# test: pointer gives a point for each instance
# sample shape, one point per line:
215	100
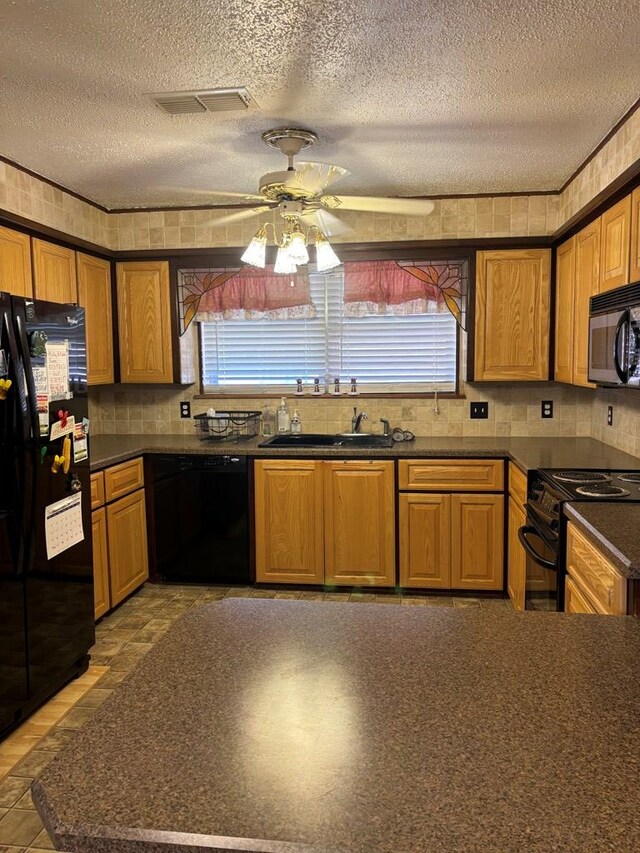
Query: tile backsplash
513	411
625	430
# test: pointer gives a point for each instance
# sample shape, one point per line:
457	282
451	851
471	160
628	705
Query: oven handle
522	536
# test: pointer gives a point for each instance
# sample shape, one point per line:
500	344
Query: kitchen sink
311	439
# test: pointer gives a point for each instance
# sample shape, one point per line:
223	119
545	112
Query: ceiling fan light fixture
255	253
297	247
326	258
284	265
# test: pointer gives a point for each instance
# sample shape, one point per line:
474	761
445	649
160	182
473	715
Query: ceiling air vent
206	101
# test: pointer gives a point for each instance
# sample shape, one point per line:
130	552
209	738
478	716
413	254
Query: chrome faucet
357	419
386	426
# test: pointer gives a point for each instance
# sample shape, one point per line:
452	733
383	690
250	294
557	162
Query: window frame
415	250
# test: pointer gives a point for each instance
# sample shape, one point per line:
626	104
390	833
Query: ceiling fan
299	194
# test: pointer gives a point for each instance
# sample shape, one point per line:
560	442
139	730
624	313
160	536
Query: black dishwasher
198	519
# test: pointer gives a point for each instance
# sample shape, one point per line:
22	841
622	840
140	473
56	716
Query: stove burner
602	490
631	477
581	477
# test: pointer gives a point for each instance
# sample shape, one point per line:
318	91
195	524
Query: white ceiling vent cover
208	100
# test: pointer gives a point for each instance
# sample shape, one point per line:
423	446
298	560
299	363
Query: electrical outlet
185	409
478	411
609	415
546	409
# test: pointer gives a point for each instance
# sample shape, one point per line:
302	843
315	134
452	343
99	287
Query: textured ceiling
413	97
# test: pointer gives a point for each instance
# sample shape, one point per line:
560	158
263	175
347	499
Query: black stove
544	535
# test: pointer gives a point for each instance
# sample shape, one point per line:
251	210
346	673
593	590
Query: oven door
542	580
609	348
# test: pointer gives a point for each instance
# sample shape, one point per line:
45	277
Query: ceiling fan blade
225	194
379	204
239	215
326	222
315	177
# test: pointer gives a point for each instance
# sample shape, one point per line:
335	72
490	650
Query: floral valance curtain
246	293
405	287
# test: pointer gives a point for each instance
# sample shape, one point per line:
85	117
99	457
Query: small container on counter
268	421
296	423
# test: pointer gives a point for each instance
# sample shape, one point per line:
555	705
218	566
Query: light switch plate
185	409
609	415
546	409
478	411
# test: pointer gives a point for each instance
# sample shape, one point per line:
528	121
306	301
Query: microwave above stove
614	337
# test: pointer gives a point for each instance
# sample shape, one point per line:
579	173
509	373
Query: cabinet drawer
517	484
97	490
121	479
449	475
575	601
605	586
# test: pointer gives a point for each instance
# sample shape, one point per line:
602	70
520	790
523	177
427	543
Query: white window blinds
386	353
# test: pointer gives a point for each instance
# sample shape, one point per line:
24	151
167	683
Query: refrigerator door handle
28	377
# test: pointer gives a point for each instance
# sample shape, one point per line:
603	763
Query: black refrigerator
46	574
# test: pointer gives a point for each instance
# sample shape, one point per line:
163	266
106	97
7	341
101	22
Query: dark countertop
273	726
613	527
525	452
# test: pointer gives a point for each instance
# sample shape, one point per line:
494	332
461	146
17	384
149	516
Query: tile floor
122	639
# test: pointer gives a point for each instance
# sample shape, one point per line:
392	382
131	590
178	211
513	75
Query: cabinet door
634	261
94	294
517	558
425	541
101	598
128	559
565	302
512	315
15	262
575	601
616	239
289	521
54	272
587	276
144	320
359	523
477	541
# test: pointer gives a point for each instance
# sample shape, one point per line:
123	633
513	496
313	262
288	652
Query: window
386	353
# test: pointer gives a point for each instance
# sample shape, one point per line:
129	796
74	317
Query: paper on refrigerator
63	524
57	361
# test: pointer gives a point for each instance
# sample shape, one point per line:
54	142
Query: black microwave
614	337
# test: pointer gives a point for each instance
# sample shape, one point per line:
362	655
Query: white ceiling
413	97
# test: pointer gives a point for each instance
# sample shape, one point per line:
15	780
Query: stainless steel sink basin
311	439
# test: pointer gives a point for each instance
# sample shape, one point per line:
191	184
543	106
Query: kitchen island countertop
300	727
613	527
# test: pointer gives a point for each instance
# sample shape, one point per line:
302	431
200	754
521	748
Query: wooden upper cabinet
359	499
512	315
477	542
54	272
634	260
144	320
586	286
289	521
565	306
94	295
15	262
425	541
616	239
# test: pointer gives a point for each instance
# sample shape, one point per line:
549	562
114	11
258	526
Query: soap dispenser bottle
284	418
296	423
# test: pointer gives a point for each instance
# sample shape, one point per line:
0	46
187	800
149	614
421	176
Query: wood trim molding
53	184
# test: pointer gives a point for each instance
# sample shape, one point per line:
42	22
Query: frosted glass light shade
284	262
255	253
298	248
326	258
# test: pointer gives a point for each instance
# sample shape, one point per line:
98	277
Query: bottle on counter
283	417
296	423
268	421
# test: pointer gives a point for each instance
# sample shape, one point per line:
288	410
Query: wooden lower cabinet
516	556
575	601
289	521
425	541
127	532
359	511
452	541
101	596
477	542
